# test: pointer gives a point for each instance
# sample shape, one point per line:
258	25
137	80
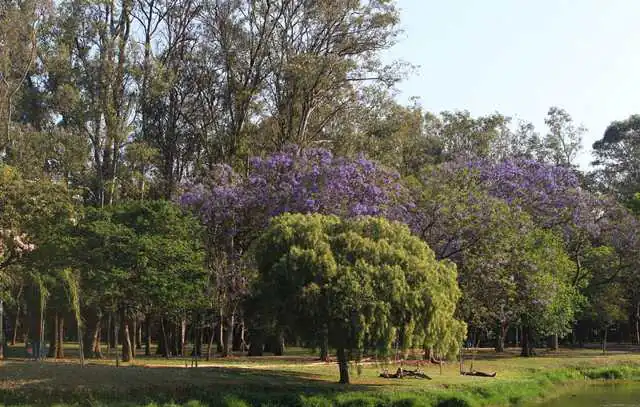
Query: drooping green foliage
363	280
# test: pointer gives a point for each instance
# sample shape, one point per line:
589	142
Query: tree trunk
115	337
212	336
324	344
53	348
343	365
220	342
638	323
147	339
60	347
554	342
14	337
237	337
111	333
91	335
95	343
527	342
127	350
16	325
174	338
134	335
163	348
2	330
278	348
228	337
604	340
139	335
503	328
243	338
197	346
183	337
80	338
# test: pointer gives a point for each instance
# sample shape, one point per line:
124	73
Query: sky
520	57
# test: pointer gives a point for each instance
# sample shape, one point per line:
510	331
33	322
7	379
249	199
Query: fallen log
480	374
401	373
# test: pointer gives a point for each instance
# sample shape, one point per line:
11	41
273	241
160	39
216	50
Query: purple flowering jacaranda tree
237	208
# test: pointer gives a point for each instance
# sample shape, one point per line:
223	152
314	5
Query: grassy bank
299	380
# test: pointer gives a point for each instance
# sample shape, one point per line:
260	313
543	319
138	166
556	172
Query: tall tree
617	158
91	78
239	36
174	86
563	142
322	52
19	23
462	135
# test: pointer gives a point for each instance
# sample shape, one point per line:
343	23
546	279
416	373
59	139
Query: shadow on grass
49	383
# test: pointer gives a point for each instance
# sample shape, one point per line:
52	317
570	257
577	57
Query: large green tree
135	258
617	158
363	281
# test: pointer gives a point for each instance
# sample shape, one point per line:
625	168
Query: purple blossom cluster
550	193
294	180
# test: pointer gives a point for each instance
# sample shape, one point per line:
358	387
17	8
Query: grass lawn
299	379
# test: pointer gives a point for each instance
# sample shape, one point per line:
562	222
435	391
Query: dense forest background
146	144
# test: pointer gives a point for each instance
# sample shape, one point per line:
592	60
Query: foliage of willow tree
363	281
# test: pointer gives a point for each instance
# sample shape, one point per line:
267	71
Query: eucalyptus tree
174	87
617	158
322	53
19	25
563	141
91	80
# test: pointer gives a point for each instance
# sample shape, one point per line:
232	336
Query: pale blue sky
520	57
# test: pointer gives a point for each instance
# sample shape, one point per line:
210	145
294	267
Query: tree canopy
362	280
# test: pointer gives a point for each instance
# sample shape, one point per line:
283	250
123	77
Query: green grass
300	380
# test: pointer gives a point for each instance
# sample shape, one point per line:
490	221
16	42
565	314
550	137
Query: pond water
601	395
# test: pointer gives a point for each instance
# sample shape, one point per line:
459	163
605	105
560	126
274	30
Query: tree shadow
30	382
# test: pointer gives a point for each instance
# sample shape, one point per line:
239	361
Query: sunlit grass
301	379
